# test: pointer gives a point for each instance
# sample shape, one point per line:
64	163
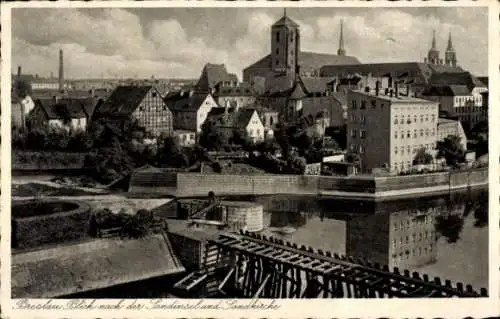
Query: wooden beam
261	287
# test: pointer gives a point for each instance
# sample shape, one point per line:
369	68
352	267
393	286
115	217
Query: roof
393	99
419	72
462	78
187	102
484	80
285	21
213	74
66	108
124	100
91	265
232	118
315	84
340	97
447	90
443	121
309	61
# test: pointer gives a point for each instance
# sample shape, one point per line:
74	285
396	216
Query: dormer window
277	37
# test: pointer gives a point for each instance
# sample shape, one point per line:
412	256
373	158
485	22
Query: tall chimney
396	92
61	71
19	72
377	87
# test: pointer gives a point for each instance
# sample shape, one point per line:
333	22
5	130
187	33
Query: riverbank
355	187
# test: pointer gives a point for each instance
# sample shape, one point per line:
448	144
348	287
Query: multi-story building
185	138
460	95
190	109
245	121
235	95
387	130
143	103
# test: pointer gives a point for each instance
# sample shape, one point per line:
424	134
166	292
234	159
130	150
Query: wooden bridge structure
247	265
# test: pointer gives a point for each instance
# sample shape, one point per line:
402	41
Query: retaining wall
198	184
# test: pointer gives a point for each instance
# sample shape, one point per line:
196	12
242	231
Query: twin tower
450	56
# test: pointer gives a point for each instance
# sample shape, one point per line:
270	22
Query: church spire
284	12
434	47
450	44
341	50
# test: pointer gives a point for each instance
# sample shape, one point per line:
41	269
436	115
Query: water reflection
439	234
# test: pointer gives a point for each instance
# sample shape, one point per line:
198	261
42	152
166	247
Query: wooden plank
262	286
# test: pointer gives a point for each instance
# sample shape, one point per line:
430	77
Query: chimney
19	72
377	87
61	71
397	89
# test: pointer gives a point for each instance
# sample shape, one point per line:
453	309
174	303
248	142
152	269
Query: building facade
234	95
67	114
386	131
185	138
447	127
190	109
142	103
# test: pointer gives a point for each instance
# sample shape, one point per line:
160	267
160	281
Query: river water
442	236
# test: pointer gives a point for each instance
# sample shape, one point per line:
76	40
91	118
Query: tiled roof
447	90
340	97
232	118
213	74
314	85
309	61
124	100
442	121
186	102
484	80
91	265
419	72
243	89
65	108
463	78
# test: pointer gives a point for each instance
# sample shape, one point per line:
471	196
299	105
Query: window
402	149
426	132
415	119
427	117
421	132
362	133
415	133
406	239
353	132
396	120
277	51
361	149
408	134
363	105
353	147
277	37
402	134
271	120
413	238
354	106
373	103
154	94
396	150
433	117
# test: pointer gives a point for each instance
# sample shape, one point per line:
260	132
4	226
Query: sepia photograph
249	152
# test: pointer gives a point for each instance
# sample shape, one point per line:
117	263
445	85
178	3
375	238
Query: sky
177	42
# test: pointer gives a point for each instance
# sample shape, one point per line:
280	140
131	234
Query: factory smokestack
61	71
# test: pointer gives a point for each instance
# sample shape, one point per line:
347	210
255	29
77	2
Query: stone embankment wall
197	184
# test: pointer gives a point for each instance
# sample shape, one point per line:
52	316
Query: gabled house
214	74
190	109
243	121
143	103
20	108
63	113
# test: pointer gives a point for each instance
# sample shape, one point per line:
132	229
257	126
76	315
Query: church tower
433	55
285	45
450	55
341	50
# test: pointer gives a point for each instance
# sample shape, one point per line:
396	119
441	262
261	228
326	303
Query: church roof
462	78
309	61
419	72
285	21
447	90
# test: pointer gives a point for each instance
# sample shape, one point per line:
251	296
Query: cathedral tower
450	55
341	50
433	55
285	45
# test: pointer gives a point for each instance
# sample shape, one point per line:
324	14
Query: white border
317	308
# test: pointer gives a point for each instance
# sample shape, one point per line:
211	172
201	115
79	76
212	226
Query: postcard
249	159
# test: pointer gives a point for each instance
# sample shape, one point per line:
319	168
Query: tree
480	138
211	137
422	157
170	153
22	88
304	143
452	150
